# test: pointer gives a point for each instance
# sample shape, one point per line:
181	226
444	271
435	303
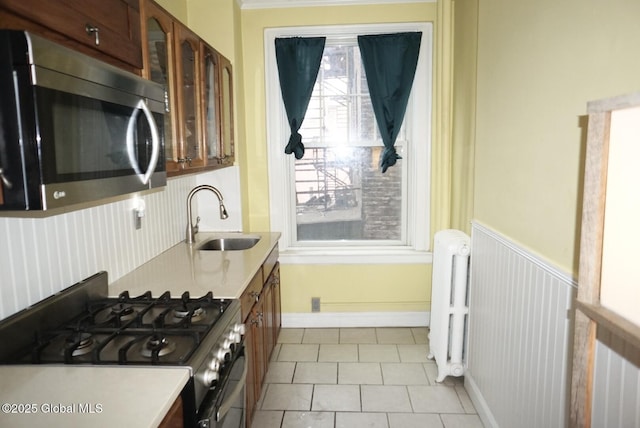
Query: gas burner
123	312
115	314
80	343
157	345
196	314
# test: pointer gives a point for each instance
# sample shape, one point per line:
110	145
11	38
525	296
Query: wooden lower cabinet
250	388
261	313
262	328
277	304
174	417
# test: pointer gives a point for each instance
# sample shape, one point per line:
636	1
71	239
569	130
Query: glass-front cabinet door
226	83
211	103
158	66
198	84
188	84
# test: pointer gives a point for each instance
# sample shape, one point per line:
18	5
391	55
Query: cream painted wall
177	8
464	105
539	63
341	288
344	288
213	20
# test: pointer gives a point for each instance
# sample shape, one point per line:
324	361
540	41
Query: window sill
332	255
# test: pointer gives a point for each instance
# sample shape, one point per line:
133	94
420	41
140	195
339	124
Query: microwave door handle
3	177
155	141
131	152
5	180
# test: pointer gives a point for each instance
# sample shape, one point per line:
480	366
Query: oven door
225	406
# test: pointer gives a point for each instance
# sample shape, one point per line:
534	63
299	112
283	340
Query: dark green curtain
298	64
390	62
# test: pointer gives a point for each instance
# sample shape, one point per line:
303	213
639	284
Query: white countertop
95	396
185	268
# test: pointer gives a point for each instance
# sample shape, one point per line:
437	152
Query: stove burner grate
92	328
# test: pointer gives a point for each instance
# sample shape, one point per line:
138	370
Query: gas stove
83	325
128	330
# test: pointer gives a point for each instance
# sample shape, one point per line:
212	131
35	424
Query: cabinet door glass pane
227	117
190	137
158	42
211	120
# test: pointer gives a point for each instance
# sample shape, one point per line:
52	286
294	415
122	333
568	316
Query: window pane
340	108
342	195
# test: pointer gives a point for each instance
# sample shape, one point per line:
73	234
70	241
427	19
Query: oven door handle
224	407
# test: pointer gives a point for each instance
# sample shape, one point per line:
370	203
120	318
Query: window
334	204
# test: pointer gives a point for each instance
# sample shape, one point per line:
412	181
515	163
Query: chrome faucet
193	229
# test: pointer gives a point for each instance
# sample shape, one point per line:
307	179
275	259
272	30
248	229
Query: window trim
281	183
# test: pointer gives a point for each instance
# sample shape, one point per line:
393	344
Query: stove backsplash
41	256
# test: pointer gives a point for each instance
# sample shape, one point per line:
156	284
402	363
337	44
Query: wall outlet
315	304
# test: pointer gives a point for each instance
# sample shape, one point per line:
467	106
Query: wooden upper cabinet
106	29
198	82
217	102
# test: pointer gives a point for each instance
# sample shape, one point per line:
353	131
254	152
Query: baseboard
355	319
484	412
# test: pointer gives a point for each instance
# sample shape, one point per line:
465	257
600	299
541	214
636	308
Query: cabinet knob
187	160
255	295
91	29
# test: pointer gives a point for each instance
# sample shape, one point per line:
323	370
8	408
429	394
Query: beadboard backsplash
41	256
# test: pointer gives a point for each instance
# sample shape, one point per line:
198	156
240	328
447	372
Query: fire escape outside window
339	190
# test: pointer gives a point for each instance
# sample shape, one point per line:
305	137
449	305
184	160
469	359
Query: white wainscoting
616	383
520	335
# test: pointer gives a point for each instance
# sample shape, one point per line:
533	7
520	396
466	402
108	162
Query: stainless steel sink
228	244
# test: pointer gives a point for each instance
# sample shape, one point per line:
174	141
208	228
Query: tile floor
359	377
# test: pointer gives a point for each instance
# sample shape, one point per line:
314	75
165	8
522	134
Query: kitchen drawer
270	263
66	21
251	294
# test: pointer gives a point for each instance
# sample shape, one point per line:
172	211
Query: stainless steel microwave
73	129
